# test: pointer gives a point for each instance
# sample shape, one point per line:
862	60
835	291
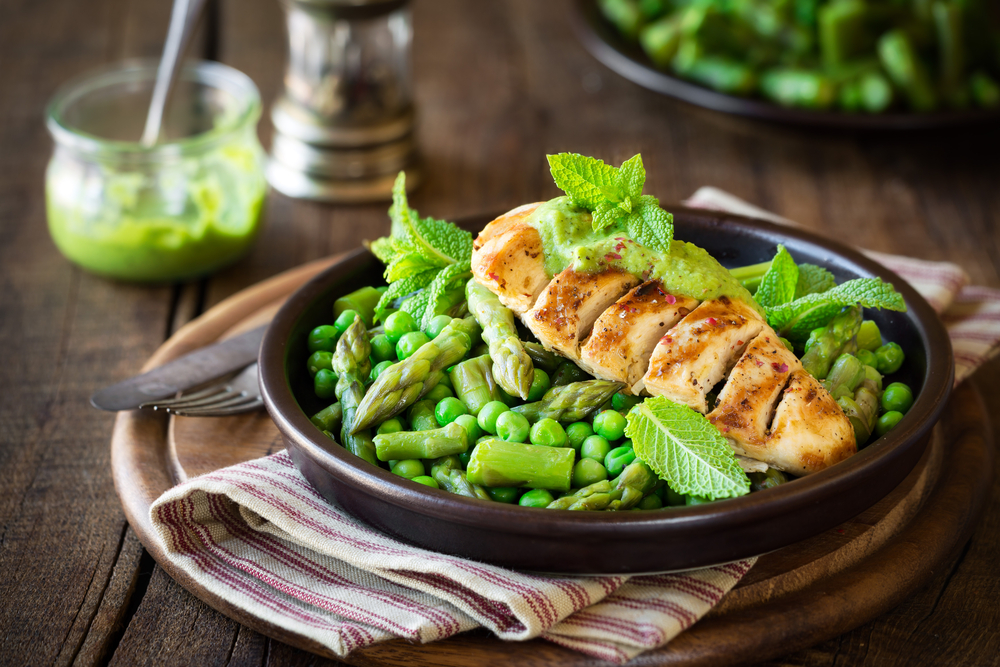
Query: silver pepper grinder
344	123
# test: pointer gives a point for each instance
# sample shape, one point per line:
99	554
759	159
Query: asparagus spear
512	367
401	384
571	402
903	65
622	493
831	342
450	439
473	382
329	418
542	358
447	470
352	364
421	416
500	463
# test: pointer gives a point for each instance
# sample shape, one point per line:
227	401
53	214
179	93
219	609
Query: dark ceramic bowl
606	44
609	542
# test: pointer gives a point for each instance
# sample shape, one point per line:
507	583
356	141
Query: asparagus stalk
447	471
622	493
501	463
329	418
571	402
400	385
828	344
361	301
450	439
542	358
474	384
847	373
512	366
594	496
352	365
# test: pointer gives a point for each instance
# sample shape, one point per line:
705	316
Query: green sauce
171	222
569	240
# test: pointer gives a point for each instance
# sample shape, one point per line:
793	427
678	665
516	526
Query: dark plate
608	542
627	59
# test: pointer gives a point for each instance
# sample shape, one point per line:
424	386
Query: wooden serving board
792	598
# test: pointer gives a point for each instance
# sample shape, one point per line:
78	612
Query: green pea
409	468
378	368
867	357
623	402
587	472
535	498
346	319
436	325
696	500
618	458
397	324
672	498
382	348
577	432
887	422
650	502
540	383
439	393
890	357
512	427
897	397
427	481
471	426
869	337
323	337
504	494
488	415
595	447
393	425
318	360
449	409
446	382
410	343
548	432
325	383
610	424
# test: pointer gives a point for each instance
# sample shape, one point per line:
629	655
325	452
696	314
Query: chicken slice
568	307
698	352
746	404
625	335
507	258
809	433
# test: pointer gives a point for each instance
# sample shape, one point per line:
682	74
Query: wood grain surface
498	84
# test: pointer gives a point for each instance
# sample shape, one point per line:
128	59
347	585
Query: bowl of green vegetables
443	472
836	63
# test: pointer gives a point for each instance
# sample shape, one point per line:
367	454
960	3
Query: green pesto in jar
569	240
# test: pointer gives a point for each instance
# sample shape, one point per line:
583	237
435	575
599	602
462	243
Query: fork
232	396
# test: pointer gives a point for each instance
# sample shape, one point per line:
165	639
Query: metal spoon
183	18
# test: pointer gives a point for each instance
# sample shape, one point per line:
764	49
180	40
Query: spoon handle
183	18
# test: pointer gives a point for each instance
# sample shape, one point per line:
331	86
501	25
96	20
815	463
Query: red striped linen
258	535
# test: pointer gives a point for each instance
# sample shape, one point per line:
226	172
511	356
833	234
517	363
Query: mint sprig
685	449
795	319
614	196
779	283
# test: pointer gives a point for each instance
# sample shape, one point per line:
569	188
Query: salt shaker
344	122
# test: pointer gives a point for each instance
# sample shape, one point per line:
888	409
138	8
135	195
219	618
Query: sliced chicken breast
570	304
747	402
809	433
625	335
507	258
697	353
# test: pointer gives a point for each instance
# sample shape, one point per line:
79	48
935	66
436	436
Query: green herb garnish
795	319
614	196
685	449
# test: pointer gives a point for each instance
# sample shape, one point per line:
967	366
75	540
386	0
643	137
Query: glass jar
177	210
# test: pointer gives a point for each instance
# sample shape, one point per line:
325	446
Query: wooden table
498	85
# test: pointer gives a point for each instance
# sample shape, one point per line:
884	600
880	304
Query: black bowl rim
604	43
819	487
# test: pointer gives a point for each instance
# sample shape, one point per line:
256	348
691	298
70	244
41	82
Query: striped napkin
258	535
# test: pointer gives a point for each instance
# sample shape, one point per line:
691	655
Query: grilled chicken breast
570	304
697	353
507	258
770	409
625	335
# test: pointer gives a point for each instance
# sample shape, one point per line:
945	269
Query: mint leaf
438	242
588	181
779	283
401	288
406	265
650	225
417	304
633	176
685	449
382	248
606	214
794	320
813	279
449	278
